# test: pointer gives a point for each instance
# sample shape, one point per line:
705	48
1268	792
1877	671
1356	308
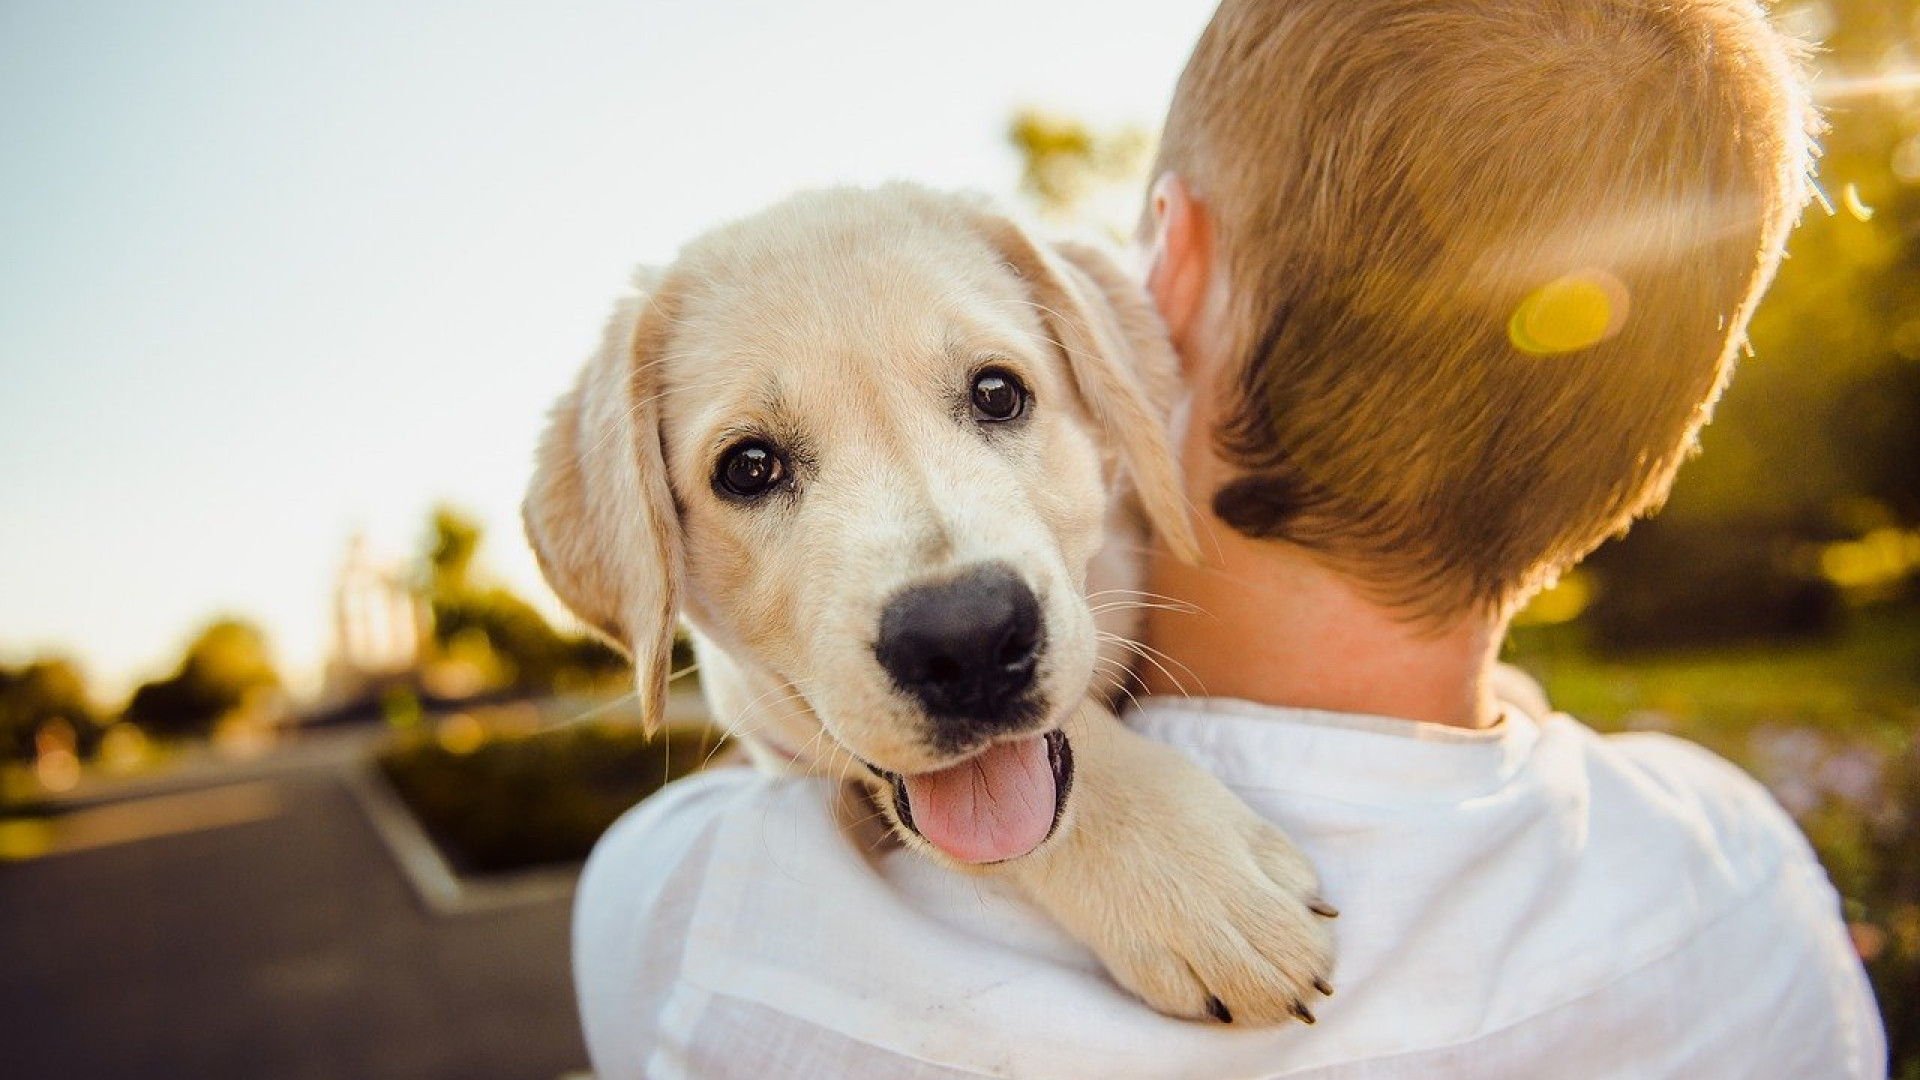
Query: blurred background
298	758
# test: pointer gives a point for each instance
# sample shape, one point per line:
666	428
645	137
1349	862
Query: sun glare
1828	91
1570	313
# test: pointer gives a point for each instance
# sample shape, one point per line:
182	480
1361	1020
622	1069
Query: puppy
892	461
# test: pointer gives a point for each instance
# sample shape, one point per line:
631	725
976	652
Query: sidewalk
242	920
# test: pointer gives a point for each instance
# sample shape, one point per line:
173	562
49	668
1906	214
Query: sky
272	275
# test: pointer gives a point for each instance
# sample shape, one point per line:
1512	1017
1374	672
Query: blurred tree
223	669
43	693
1841	327
495	630
1818	438
1077	175
451	545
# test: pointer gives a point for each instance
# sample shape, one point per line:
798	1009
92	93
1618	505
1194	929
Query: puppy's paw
1191	900
1233	930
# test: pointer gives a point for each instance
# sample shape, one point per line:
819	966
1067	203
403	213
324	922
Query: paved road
266	935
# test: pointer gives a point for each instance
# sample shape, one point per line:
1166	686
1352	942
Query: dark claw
1300	1011
1323	909
1321	985
1218	1009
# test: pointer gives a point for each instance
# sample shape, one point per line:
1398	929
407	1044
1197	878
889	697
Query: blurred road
259	930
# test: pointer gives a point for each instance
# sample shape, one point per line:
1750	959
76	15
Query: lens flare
1850	198
1568	314
1885	84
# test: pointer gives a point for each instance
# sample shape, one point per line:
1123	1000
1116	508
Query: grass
1863	683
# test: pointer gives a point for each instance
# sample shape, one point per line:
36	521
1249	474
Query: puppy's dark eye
998	396
750	470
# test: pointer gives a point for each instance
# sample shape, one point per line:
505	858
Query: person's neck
1269	624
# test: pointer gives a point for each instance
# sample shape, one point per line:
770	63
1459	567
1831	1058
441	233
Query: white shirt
1533	901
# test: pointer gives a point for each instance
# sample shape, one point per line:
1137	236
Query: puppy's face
887	486
866	442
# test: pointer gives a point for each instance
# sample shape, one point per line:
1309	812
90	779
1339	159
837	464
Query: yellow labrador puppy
893	461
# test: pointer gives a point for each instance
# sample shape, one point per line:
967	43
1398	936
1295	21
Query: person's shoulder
662	846
1697	788
1683	765
1726	897
671	821
1666	808
638	897
651	853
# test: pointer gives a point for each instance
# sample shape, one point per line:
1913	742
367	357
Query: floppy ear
598	511
1121	362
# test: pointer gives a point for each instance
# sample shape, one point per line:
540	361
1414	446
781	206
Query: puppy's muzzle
966	650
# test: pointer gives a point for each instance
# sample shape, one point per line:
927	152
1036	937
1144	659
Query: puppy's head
868	443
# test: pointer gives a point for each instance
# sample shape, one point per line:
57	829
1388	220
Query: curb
440	889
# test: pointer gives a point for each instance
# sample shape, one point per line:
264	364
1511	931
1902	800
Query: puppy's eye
998	396
750	470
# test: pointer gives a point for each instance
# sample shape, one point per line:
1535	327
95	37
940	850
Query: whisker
1150	595
781	694
713	751
632	411
593	712
1171	660
1119	683
1142	605
1146	653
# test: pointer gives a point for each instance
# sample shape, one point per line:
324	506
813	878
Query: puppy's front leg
1191	900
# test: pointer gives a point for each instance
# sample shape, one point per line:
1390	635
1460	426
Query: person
1454	286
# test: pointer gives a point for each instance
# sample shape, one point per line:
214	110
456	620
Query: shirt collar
1345	756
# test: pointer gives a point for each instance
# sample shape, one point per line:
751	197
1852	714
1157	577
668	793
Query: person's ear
1180	261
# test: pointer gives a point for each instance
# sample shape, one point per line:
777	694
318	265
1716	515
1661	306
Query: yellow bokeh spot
461	734
1568	314
1561	602
24	838
1883	557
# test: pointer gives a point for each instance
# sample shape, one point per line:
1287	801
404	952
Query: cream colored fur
847	325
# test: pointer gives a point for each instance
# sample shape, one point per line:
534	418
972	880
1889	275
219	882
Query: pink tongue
995	805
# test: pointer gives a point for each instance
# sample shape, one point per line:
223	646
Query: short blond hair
1400	189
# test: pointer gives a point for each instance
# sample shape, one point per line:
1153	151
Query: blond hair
1488	265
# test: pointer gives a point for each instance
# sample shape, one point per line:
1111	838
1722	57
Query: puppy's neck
1272	625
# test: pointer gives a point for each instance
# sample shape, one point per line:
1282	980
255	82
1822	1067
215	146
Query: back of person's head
1488	265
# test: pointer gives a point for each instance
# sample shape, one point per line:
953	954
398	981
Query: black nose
965	649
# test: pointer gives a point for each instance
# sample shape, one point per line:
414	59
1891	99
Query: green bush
44	693
228	661
498	801
1673	582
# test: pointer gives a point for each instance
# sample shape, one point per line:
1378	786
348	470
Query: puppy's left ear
1120	359
599	513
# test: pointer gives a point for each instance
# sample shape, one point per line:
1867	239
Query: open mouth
999	804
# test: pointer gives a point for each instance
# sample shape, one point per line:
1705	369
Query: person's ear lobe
1180	267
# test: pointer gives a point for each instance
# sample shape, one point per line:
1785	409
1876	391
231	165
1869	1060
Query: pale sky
271	273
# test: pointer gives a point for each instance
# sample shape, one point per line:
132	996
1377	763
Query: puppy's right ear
1116	349
599	513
